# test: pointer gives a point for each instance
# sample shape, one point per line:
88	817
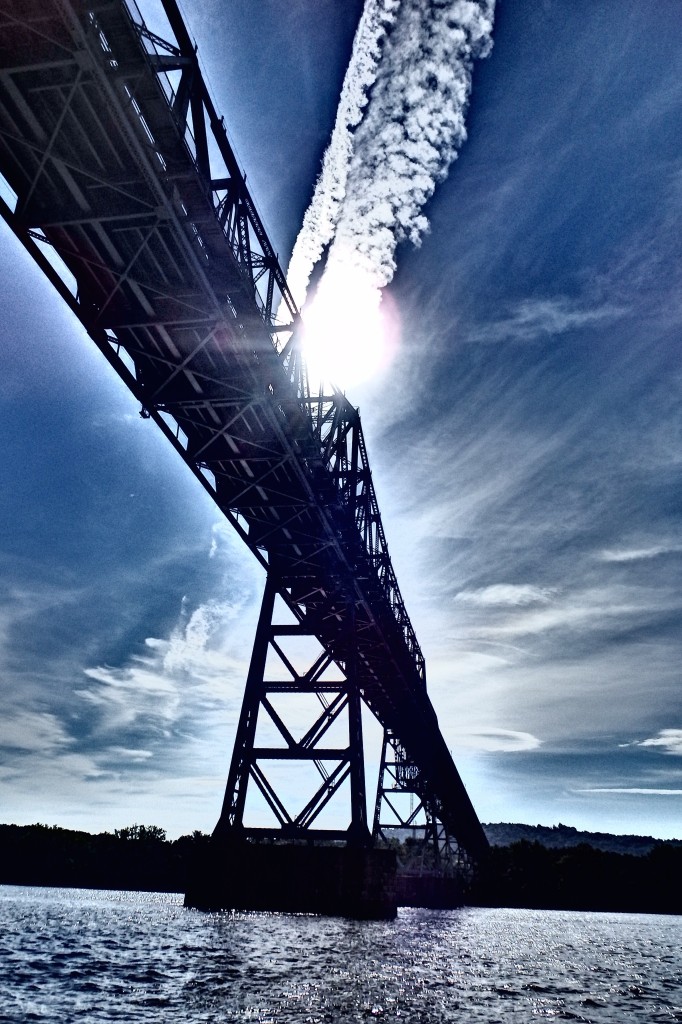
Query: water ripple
72	955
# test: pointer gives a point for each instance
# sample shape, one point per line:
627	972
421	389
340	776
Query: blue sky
525	445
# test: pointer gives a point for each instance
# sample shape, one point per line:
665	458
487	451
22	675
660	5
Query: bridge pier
347	881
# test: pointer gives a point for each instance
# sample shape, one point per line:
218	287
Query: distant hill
561	836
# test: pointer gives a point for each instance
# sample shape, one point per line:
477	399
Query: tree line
528	874
522	874
139	857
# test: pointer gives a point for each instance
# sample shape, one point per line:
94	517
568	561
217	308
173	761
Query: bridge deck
123	171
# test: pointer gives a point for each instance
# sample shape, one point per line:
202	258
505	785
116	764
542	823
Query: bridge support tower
331	694
433	869
291	863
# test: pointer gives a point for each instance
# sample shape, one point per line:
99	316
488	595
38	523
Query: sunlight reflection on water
69	954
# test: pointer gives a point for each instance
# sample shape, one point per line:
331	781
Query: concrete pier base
337	880
437	892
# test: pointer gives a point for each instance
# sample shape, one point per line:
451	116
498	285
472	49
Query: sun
349	328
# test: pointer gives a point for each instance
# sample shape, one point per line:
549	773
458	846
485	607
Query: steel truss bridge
131	200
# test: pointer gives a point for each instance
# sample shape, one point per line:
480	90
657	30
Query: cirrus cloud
639	554
506	594
499	740
633	790
669	740
537	318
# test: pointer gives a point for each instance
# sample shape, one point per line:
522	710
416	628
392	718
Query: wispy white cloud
584	610
181	678
634	790
32	731
669	740
532	319
99	736
513	594
200	636
128	754
497	740
321	217
639	554
222	539
412	130
391	147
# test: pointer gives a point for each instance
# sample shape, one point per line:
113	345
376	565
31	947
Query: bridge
126	191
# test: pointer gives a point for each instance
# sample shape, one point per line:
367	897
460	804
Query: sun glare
349	332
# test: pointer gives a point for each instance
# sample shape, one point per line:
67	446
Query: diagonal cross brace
337	764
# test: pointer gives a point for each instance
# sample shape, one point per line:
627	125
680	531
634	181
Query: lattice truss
405	814
325	734
123	186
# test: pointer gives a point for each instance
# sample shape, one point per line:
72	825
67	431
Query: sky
524	433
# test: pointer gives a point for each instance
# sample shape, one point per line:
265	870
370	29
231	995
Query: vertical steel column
359	830
231	819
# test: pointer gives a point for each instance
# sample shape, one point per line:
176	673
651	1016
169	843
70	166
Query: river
93	956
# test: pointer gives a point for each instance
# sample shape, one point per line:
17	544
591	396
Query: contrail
319	222
399	126
412	129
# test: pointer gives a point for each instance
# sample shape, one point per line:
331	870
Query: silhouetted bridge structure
131	200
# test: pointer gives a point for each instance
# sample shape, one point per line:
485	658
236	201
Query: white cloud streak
175	680
580	610
506	594
129	754
31	731
320	220
534	319
376	179
412	130
498	740
639	554
633	790
669	740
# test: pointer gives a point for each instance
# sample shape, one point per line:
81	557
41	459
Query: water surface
84	955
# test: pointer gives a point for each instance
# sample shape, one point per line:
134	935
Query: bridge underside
129	197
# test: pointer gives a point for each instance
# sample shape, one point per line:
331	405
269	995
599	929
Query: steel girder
130	198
